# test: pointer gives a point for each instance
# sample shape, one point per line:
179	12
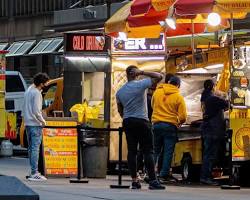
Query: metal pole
79	166
120	164
232	38
192	44
120	157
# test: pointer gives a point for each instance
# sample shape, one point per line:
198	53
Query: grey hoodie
32	107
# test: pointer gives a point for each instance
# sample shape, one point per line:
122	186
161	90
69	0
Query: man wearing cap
169	112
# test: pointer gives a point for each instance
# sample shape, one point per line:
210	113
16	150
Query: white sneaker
37	177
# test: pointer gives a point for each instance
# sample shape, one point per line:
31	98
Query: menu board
240	79
60	151
240	124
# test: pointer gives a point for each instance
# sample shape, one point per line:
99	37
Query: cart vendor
213	129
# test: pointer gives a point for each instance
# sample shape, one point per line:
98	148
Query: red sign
85	42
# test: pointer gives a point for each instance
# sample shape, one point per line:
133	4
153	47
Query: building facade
32	30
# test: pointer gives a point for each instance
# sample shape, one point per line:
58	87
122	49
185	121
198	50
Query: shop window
53	45
47	46
49	94
61	50
40	46
25	48
14	47
3	46
20	48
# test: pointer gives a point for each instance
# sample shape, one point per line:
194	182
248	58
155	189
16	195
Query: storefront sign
138	44
85	42
60	151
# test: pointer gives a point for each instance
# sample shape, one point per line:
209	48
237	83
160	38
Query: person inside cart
169	112
132	106
213	129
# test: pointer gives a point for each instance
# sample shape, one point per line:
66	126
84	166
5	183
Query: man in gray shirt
132	106
34	121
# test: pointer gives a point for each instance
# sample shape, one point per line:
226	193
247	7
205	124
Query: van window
49	95
14	84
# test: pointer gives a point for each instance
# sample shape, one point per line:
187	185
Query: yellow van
52	101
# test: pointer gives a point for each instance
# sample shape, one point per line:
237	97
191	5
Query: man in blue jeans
132	106
34	121
169	112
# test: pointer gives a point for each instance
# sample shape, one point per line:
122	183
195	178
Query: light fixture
122	36
214	19
85	58
146	58
216	66
170	23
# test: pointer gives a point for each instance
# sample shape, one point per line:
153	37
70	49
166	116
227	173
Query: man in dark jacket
213	129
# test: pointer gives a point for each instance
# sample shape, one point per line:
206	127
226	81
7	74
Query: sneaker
155	185
37	177
136	185
208	182
167	179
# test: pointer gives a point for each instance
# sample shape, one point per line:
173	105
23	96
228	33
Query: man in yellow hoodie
169	112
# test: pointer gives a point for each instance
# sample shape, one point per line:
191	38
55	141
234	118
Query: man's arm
120	109
37	109
155	76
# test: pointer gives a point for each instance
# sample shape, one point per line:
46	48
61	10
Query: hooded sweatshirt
168	105
32	108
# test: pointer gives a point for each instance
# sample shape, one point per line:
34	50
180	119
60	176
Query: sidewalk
61	189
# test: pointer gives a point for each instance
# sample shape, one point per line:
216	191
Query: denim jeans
34	138
139	131
165	138
210	149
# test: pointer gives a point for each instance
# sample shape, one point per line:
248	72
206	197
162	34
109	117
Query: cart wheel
235	175
186	168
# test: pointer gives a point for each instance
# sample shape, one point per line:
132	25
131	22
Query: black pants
139	131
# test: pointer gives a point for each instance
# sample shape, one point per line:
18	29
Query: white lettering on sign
135	44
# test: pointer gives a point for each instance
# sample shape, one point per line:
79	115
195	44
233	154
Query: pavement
60	188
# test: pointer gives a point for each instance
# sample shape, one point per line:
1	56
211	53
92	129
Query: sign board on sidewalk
240	123
60	148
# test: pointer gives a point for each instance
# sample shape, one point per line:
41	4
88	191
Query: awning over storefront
20	48
3	46
48	45
61	50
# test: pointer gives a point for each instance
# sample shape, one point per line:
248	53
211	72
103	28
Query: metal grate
37	7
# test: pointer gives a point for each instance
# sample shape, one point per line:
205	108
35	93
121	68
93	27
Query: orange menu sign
60	151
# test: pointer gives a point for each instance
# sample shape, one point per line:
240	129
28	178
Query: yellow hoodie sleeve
182	111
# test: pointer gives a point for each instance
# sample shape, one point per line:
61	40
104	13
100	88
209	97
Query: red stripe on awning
139	7
152	18
185	29
193	7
